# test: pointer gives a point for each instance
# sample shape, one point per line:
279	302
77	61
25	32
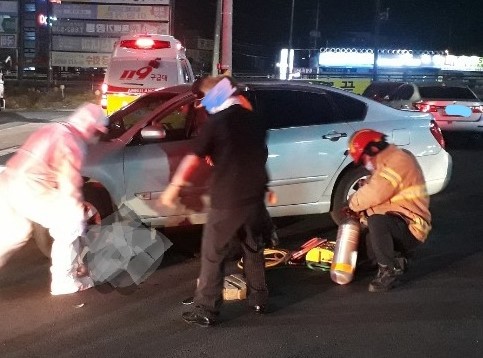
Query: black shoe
198	318
385	280
259	309
188	301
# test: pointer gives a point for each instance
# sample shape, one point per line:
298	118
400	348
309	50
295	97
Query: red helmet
359	141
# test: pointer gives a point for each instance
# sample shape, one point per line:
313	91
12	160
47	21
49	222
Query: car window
182	122
379	90
134	116
289	108
447	93
405	92
350	108
122	120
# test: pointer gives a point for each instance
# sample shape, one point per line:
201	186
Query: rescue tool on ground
316	253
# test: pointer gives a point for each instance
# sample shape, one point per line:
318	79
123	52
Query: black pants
247	225
388	235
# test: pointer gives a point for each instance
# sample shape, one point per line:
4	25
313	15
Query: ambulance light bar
145	44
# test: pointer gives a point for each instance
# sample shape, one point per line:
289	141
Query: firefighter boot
385	279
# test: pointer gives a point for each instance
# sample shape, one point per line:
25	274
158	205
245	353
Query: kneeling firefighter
395	202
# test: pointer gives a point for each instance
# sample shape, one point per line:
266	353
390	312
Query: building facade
44	37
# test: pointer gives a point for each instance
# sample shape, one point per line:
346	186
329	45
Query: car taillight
477	109
437	134
424	107
145	43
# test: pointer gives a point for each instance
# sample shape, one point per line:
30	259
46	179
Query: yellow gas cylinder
345	254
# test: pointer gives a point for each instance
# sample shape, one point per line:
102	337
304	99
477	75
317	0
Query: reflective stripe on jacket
397	185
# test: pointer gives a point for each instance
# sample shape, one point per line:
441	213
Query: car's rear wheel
97	206
347	186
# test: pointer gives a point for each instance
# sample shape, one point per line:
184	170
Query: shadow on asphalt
458	206
457	214
463	140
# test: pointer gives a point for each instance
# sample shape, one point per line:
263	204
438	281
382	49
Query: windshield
447	93
125	118
379	90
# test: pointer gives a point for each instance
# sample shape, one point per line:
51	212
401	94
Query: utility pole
216	45
223	24
227	36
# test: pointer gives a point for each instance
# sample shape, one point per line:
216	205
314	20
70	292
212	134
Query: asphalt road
437	312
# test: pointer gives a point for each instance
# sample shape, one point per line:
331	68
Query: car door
306	142
150	165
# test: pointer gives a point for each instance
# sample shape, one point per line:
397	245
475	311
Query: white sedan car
456	108
308	129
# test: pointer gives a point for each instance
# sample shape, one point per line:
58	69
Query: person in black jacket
234	140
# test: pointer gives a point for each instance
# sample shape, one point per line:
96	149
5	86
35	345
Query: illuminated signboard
80	59
114	28
42	20
85	44
111	12
347	57
8	41
131	2
462	63
9	8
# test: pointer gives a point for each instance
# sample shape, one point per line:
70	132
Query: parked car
433	98
308	131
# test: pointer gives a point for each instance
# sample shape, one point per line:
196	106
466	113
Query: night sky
456	25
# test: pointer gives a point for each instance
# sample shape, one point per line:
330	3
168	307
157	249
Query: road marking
9	125
8	150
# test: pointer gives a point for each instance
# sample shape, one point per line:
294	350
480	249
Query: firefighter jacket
43	178
397	185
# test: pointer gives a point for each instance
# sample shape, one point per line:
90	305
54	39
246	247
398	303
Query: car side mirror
153	133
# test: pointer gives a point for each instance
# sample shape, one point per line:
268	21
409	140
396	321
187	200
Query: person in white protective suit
42	184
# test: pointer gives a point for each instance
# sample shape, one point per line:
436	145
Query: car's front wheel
347	186
97	206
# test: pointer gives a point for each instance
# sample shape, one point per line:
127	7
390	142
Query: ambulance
140	64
